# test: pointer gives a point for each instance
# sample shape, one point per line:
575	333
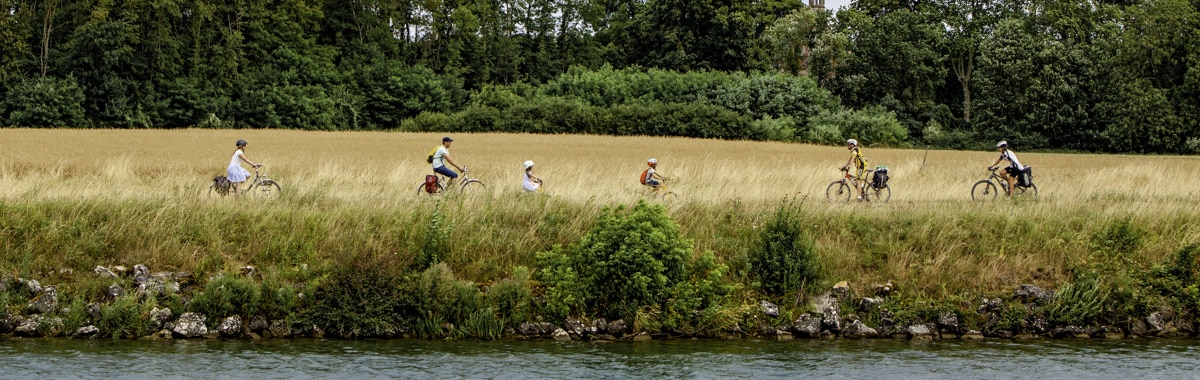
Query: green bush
699	305
45	102
226	296
278	299
1179	280
362	299
784	260
432	122
513	296
629	259
872	126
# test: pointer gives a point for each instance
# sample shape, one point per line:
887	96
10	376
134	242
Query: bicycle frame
986	189
462	181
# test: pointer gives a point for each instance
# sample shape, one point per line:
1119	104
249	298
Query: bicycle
661	191
260	185
986	189
840	190
466	184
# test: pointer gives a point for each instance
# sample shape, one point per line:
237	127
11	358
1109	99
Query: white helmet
652	161
528	164
1002	143
852	142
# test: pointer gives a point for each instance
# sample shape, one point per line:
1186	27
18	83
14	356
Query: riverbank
487	267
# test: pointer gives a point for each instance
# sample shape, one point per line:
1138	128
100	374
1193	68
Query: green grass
939	249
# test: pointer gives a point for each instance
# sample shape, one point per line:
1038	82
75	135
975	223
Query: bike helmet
852	142
528	164
241	143
651	162
1002	144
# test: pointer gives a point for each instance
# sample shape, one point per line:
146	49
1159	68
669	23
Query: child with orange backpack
650	176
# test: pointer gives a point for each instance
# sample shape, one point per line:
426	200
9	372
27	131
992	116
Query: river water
420	359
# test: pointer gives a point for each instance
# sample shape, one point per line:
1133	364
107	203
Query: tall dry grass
353	192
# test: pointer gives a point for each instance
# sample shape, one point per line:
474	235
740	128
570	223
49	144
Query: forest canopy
1111	75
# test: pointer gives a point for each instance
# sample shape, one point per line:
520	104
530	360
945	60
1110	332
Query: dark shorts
652	182
1012	172
446	172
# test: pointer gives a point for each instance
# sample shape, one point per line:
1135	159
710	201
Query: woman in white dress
235	172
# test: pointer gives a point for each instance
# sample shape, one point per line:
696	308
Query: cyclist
856	159
1014	168
650	176
441	157
531	183
235	172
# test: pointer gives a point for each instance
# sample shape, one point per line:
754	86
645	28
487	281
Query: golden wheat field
387	167
947	242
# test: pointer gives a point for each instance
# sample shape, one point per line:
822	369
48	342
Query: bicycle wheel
838	191
473	186
1031	190
421	190
984	190
879	195
266	189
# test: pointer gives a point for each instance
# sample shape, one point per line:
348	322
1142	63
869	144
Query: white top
528	183
650	174
237	158
439	157
1012	159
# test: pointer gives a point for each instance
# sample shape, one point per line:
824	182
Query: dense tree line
1098	75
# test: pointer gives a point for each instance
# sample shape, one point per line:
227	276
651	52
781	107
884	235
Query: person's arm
247	160
446	157
998	160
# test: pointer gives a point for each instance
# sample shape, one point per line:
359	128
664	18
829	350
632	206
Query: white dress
529	184
235	172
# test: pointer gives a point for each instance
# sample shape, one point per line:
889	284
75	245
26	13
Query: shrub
628	260
45	102
513	296
784	260
699	305
432	122
361	299
226	296
1179	280
872	126
278	299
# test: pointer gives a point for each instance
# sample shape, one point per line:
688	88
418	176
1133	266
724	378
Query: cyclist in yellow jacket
860	164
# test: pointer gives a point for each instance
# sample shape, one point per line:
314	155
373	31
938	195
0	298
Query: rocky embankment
45	316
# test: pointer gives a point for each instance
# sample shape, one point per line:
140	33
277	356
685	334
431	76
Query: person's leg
448	173
1008	191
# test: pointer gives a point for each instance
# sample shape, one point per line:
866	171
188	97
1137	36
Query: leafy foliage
633	260
784	260
227	296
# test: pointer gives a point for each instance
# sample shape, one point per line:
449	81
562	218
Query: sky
833	5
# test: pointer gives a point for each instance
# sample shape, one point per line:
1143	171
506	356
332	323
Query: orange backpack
645	173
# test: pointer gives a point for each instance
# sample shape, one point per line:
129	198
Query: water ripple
692	359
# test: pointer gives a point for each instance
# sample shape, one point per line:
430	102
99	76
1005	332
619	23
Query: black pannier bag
1026	177
881	177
